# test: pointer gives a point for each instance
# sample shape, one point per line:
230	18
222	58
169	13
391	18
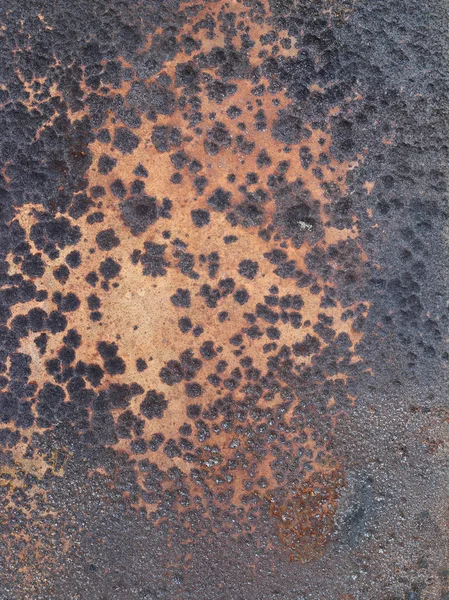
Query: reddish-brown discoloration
137	313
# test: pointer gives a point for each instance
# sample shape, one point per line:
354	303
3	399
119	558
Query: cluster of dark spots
102	428
211	295
67	303
200	182
73	338
193	411
251	178
135	257
164	138
66	355
296	218
179	159
218	91
200	217
340	263
113	364
288	128
106	164
305	157
73	259
198	330
233	112
8	407
342	137
185	324
154	444
309	345
207	350
213	263
217	138
41	343
248	213
165	208
50	232
155	99
141	365
118	189
193	390
103	136
241	296
139	212
137	187
186	368
116	396
153	260
138	446
56	322
195	167
95	217
243	145
181	299
260	121
92	278
263	159
140	171
340	210
97	191
154	405
49	403
81	203
176	178
186	260
33	266
93	373
94	304
220	200
109	268
107	239
127	425
230	239
248	269
125	140
226	286
37	319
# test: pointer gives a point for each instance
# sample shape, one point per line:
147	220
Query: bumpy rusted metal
191	312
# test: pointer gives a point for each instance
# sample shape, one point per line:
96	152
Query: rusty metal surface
223	300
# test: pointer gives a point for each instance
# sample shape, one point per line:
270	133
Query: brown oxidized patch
195	302
307	515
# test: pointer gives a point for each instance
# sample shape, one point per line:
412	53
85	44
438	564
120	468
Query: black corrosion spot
107	239
113	364
154	405
248	269
109	268
73	259
181	298
164	138
139	212
125	140
200	217
106	164
288	128
220	200
153	259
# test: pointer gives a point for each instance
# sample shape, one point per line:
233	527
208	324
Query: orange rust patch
136	310
307	515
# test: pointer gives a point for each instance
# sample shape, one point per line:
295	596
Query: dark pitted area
223	300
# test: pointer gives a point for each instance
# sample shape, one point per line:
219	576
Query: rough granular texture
223	300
